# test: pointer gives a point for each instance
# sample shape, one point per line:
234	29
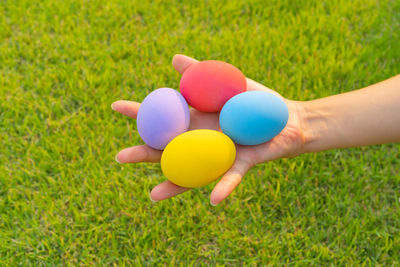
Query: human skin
358	118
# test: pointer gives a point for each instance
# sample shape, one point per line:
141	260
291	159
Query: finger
255	86
182	62
166	190
138	154
128	108
229	181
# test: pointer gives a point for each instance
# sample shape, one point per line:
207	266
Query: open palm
288	143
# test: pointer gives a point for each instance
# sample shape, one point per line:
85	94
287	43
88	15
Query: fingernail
112	106
213	204
116	159
152	200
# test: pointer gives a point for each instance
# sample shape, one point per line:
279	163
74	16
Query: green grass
63	198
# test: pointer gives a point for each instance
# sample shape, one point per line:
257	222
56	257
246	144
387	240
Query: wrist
315	123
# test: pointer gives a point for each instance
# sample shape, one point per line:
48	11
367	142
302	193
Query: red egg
207	85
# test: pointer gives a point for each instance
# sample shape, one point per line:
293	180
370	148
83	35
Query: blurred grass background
65	201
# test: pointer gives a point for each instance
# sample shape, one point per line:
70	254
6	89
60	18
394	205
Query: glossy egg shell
197	157
253	117
207	85
163	115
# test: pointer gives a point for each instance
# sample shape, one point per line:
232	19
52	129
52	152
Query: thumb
229	181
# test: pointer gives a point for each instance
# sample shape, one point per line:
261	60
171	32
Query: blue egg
253	117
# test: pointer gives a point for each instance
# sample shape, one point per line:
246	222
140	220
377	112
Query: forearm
363	117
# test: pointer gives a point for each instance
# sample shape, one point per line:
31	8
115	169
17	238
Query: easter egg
207	85
253	117
197	157
163	115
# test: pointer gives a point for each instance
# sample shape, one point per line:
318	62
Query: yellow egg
197	157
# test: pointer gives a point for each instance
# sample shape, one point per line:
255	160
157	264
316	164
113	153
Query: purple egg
163	115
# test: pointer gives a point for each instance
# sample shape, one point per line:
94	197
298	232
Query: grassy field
65	201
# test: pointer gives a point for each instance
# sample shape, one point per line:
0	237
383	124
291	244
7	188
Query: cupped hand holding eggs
288	143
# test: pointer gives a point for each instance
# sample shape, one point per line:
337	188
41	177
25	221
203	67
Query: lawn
65	201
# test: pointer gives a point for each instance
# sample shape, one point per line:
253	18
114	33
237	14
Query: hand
288	143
